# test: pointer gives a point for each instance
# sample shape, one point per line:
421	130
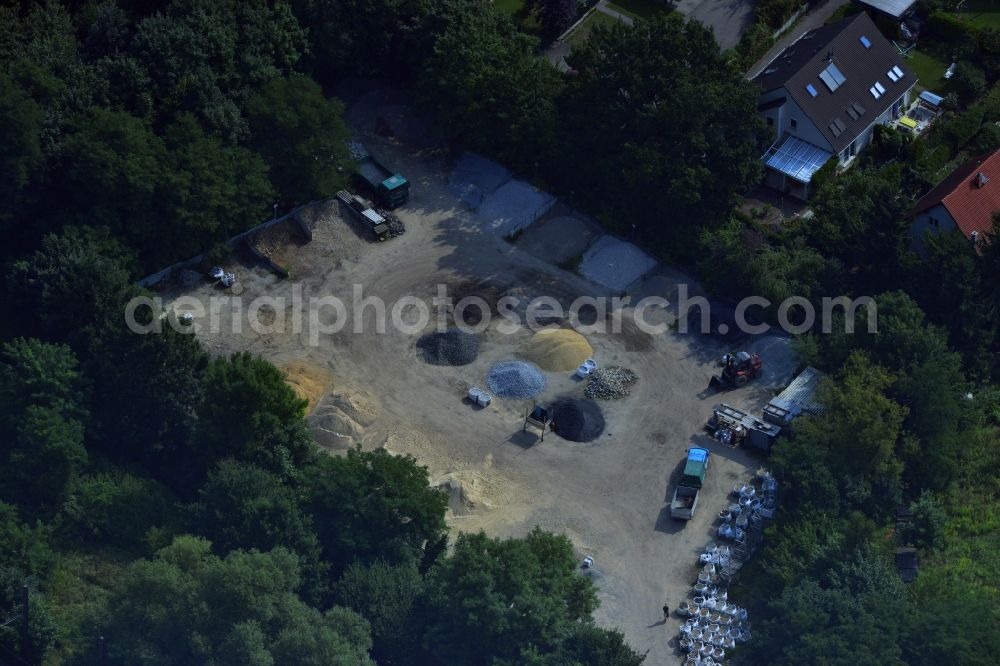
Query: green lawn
640	9
929	71
982	13
512	7
596	18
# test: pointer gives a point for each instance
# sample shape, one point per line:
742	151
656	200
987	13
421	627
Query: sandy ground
610	497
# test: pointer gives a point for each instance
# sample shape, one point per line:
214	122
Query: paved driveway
727	18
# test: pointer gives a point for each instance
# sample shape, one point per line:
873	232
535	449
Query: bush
960	128
970	80
926	528
889	142
774	13
825	173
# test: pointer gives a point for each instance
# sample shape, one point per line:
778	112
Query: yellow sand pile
308	381
558	350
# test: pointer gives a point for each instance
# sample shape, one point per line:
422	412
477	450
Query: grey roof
798	398
846	111
893	8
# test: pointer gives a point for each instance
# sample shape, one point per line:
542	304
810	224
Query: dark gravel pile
452	347
516	380
577	420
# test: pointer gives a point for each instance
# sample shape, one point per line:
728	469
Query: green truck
686	495
388	188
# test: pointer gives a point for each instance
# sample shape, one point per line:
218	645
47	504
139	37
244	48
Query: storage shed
759	434
797	399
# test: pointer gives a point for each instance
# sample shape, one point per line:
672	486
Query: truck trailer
388	188
693	478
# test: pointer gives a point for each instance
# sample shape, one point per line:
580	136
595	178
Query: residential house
894	9
965	200
823	96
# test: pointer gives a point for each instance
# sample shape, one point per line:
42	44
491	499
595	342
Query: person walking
666	613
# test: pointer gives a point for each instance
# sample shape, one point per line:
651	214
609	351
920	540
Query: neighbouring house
965	200
895	9
823	96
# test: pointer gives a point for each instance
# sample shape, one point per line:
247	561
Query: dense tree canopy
485	84
677	130
301	135
370	505
251	414
506	600
188	606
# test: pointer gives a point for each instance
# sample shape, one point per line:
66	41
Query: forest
174	503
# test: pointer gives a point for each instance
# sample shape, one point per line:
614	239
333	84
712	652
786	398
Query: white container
484	399
474	394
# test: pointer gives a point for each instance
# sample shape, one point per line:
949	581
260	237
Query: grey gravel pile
610	383
515	379
452	347
577	420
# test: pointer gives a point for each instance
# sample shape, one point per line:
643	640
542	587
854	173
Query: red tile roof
970	204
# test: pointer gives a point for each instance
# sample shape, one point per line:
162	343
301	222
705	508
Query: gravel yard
610	498
615	264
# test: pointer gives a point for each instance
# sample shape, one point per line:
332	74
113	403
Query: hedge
949	28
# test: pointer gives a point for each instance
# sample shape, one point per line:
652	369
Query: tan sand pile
308	381
342	419
558	350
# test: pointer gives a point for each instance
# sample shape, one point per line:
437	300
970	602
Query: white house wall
804	129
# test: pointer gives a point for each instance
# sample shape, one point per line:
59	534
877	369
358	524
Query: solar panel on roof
837	76
857	107
875	93
879	87
840	124
852	113
898	71
892	76
834	129
811	90
865	42
832	77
